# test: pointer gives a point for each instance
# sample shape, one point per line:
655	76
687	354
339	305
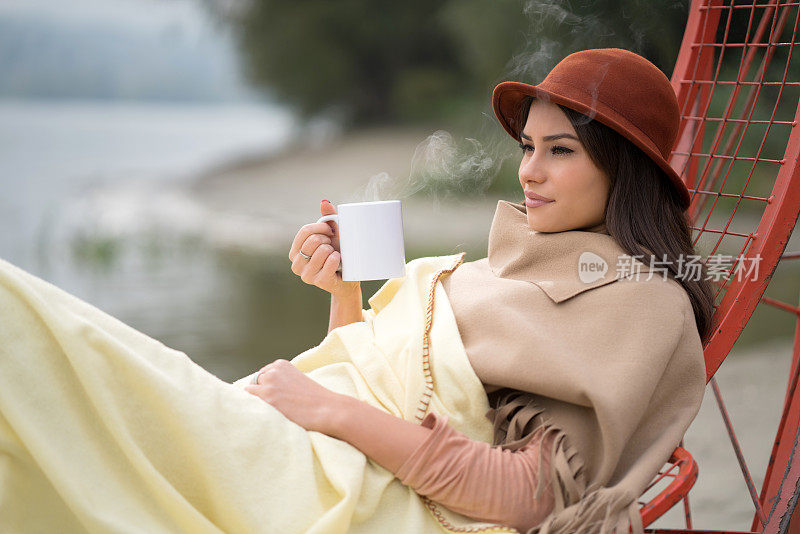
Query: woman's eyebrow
551	137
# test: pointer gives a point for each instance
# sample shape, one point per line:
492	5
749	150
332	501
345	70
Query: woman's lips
533	202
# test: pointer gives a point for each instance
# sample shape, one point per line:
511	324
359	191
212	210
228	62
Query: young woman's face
557	167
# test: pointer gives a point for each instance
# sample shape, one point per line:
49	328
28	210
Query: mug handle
332	217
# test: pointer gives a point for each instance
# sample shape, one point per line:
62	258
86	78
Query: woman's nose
530	170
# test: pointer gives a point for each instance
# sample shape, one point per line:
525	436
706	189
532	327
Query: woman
606	183
588	378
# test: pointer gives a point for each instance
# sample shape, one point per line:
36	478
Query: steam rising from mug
444	170
439	168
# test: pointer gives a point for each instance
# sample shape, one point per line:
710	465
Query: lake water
58	163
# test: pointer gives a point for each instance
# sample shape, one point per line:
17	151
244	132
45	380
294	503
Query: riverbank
260	204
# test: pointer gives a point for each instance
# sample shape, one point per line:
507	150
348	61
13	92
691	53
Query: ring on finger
306	256
255	378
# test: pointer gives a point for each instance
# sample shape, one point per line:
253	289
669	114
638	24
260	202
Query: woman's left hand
295	395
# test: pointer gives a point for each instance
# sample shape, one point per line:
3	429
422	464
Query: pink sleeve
476	479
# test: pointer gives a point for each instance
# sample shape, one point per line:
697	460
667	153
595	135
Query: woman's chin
537	224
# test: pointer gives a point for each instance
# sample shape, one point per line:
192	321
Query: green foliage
424	61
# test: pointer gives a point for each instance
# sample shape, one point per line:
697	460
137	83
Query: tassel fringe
578	509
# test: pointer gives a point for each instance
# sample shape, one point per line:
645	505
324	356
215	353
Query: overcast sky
144	14
139	49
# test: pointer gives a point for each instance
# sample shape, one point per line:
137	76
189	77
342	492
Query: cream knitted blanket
104	429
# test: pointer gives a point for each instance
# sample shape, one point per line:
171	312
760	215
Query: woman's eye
555	150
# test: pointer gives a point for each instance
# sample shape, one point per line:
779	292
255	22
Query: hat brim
507	98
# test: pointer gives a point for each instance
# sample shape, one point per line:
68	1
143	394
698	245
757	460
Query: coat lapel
561	264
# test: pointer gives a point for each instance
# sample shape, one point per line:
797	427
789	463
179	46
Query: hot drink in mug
370	239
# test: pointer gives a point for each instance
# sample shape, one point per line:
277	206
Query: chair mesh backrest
737	79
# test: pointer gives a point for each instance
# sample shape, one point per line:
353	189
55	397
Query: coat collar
551	260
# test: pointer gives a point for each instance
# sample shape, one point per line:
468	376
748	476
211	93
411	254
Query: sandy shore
260	204
273	197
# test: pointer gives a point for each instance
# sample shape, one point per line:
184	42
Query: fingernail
326	200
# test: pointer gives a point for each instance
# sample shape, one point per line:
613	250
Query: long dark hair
643	213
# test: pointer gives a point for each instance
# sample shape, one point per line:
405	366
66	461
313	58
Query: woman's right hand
321	242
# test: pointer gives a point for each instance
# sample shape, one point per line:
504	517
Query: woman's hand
387	439
321	242
296	396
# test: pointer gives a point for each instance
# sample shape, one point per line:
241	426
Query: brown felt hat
616	87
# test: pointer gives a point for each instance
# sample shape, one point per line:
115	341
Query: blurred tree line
434	63
368	62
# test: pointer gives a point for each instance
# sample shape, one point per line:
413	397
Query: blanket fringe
517	419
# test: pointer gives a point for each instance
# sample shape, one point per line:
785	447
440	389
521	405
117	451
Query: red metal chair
734	81
682	470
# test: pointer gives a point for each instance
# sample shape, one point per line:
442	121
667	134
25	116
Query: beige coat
609	360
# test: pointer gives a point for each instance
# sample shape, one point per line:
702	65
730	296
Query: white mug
370	239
